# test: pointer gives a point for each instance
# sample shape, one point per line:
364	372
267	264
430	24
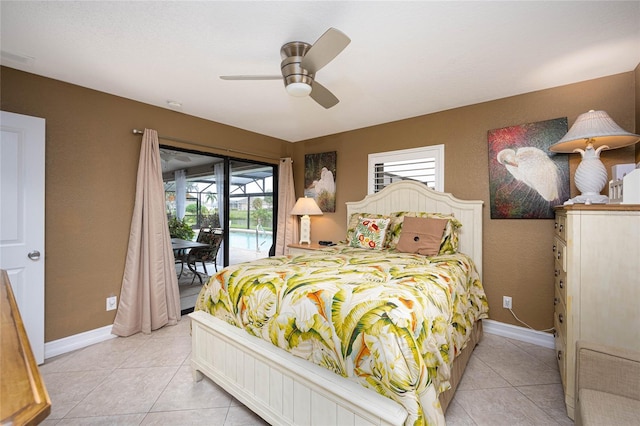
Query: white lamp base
305	229
590	178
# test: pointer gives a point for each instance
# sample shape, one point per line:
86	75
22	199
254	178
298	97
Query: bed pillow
449	242
353	222
421	235
370	233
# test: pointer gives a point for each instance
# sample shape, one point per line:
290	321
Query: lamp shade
597	128
306	206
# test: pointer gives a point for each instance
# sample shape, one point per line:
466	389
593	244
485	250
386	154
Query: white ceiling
406	58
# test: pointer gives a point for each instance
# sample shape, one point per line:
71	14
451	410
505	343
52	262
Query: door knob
34	255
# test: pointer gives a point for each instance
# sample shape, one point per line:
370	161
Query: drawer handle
559	255
556	273
559	355
554	248
561	284
561	318
555	225
560	228
555	301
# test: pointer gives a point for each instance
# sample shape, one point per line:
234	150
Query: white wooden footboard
279	387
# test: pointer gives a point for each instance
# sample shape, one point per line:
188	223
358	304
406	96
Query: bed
332	311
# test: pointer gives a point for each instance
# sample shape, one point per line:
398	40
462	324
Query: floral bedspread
391	321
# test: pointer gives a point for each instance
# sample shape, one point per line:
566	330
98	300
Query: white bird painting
533	167
526	180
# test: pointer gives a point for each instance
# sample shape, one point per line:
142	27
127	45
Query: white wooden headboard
408	195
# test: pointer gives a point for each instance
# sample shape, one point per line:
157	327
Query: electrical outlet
112	303
507	303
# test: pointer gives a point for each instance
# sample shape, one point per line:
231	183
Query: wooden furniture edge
24	400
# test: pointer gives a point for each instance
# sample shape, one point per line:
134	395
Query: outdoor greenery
260	216
238	219
180	229
260	213
210	221
191	208
191	215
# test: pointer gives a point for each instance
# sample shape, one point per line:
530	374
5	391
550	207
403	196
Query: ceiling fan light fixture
299	89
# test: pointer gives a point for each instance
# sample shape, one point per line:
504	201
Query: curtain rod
168	138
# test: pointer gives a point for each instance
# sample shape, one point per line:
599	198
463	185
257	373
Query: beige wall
517	253
91	165
92	157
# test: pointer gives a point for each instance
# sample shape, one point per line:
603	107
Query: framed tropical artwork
320	179
526	180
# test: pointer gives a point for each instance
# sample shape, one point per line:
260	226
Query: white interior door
22	150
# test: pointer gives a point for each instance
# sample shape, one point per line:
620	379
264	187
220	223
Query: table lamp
305	207
591	133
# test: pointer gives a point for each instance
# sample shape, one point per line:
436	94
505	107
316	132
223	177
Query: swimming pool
245	239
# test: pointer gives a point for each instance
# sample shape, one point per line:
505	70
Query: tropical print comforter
391	321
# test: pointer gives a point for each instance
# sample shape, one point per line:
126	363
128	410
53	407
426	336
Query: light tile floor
146	380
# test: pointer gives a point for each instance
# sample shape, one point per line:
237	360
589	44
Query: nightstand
304	248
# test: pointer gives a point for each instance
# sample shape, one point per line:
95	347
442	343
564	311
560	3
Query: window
424	164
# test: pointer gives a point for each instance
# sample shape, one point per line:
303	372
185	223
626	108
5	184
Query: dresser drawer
560	279
560	226
561	356
560	253
560	315
560	334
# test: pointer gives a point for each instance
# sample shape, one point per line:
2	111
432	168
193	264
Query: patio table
179	246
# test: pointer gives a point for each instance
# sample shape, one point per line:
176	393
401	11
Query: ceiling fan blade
327	47
251	77
323	96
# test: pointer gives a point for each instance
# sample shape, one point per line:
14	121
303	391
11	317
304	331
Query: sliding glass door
237	196
251	210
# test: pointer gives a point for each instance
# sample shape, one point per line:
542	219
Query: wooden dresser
597	282
23	397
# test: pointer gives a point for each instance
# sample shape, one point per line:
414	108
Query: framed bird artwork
320	179
526	180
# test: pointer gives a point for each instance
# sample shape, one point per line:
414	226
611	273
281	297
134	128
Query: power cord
522	322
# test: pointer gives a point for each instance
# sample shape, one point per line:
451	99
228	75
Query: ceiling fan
300	63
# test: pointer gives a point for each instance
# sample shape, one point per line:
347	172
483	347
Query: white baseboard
539	338
77	341
87	338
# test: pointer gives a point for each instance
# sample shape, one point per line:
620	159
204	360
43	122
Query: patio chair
211	236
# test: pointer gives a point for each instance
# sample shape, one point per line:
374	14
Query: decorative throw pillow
421	235
370	233
354	219
449	243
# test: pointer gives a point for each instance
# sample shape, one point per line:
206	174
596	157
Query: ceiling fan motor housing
292	71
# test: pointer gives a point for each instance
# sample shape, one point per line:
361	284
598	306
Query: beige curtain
287	223
149	298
